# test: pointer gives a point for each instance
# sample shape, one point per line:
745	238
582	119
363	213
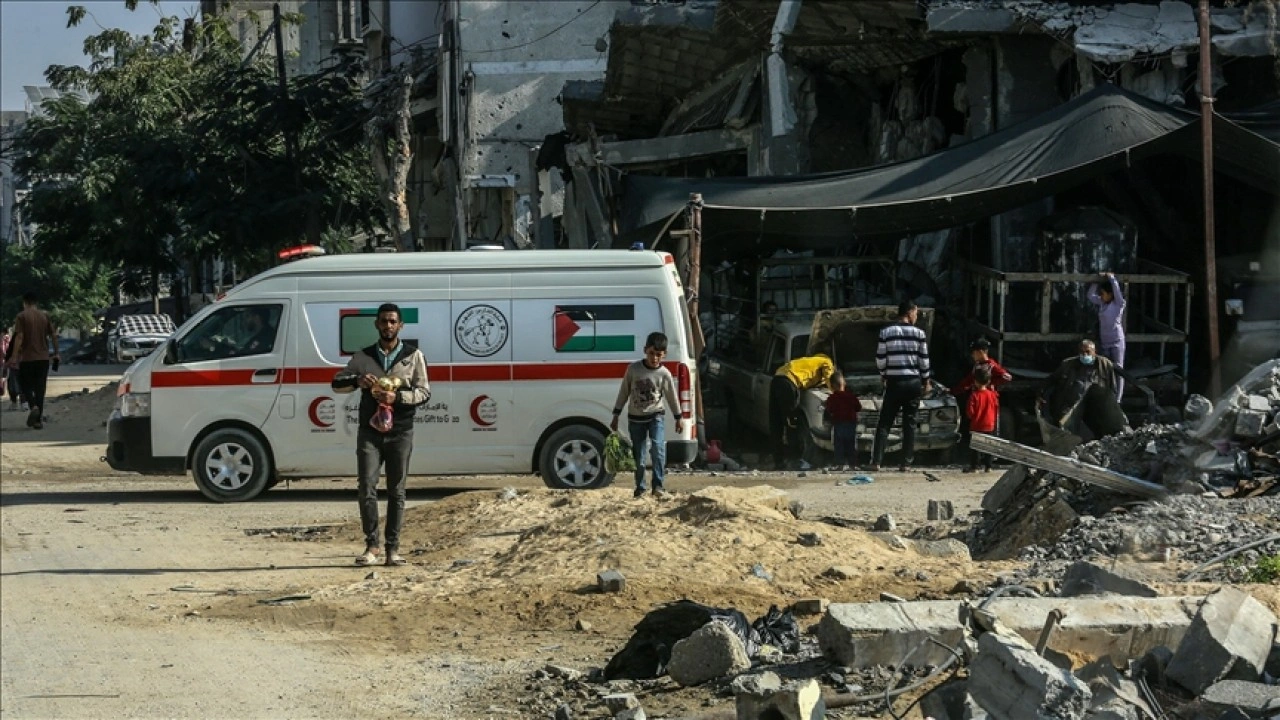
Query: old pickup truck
743	374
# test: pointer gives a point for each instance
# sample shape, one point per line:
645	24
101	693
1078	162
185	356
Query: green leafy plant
1266	570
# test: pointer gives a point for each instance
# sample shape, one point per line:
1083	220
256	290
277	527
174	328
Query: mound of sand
720	545
73	439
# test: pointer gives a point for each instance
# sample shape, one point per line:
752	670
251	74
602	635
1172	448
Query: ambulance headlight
135	405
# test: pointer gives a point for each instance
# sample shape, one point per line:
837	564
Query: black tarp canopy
1099	132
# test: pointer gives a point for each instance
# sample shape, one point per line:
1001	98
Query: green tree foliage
178	154
70	291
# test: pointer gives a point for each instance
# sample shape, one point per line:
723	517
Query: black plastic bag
778	629
648	651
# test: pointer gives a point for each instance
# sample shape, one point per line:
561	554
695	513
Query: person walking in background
646	385
902	356
981	408
784	400
842	412
391	358
979	351
33	333
1111	304
4	364
11	375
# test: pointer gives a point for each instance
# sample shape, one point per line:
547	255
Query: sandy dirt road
127	596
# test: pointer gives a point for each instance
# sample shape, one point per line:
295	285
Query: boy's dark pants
33	377
978	458
845	439
373	449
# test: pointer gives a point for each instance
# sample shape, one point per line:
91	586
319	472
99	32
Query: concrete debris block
611	581
617	702
631	714
795	700
564	712
1257	402
711	652
1229	638
583	625
810	606
809	539
1086	578
1003	491
840	572
940	510
861	635
559	671
1011	682
1254	698
1249	423
885	523
1196	409
756	683
1115	697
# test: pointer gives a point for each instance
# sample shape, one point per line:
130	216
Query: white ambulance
525	352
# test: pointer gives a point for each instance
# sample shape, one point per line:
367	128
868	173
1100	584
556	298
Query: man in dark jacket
1069	385
387	358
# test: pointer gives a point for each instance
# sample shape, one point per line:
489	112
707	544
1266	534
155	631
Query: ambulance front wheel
231	465
573	459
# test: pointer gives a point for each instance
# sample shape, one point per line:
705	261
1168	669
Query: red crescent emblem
475	412
313	412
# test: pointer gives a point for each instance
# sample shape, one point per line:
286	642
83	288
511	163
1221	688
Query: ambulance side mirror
170	352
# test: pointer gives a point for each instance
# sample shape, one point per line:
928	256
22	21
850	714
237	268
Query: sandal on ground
395	559
368	558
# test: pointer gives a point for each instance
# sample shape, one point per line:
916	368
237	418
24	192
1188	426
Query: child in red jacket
982	409
842	412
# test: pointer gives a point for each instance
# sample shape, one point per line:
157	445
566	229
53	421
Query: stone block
631	714
794	700
1086	578
940	510
611	581
1229	638
861	635
1003	491
617	702
810	606
1249	423
1257	402
1011	682
1256	699
885	523
712	651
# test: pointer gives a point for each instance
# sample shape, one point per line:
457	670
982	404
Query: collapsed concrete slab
1229	638
868	634
1086	578
1011	682
1256	699
1066	467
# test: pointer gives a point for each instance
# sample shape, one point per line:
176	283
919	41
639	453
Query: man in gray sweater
645	386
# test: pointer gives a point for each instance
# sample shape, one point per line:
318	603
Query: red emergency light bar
300	251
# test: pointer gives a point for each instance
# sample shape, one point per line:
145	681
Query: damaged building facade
727	89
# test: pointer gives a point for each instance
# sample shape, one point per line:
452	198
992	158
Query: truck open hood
849	335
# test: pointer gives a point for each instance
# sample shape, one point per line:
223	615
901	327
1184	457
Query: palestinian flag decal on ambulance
594	328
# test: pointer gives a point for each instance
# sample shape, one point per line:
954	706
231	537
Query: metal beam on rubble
1065	466
660	149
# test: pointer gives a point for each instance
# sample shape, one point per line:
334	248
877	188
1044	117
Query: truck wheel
573	459
231	465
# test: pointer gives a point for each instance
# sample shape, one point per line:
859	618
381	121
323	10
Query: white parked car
136	336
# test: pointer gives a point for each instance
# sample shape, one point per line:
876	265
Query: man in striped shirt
902	356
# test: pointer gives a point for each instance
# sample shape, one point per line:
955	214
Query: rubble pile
1186	530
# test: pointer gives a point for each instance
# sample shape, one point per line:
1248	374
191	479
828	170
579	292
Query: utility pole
1210	250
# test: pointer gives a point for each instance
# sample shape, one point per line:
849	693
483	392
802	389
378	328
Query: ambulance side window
231	332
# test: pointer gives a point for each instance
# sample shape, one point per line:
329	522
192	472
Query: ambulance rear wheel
573	459
231	465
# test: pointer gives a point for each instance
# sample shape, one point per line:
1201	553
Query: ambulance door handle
262	377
